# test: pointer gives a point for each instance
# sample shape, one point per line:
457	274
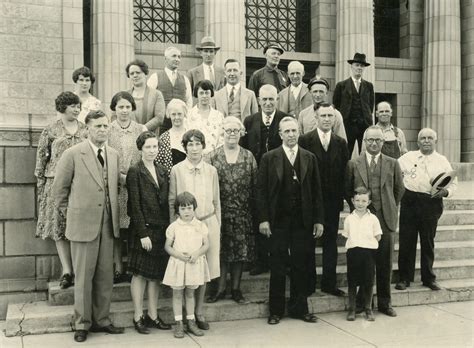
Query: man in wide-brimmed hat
355	98
428	178
207	70
269	74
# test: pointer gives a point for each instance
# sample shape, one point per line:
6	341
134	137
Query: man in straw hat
428	177
355	98
269	74
207	70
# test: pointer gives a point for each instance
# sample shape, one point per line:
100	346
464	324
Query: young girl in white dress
187	243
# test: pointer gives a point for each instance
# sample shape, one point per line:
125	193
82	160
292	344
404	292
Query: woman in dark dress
147	185
237	171
171	149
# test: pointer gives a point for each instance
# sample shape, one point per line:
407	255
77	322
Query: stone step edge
29	318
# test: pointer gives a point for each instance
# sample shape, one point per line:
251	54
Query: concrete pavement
445	324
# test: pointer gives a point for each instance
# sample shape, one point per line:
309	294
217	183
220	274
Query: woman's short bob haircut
193	135
84	71
176	104
138	62
183	200
122	95
205	85
143	137
65	99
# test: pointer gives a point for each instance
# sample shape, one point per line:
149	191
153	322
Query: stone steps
447	269
40	317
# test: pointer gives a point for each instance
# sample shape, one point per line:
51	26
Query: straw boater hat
274	46
442	181
359	58
208	42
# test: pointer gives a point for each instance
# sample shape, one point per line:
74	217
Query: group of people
198	178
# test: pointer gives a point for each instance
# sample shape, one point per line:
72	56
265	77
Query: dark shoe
402	285
110	329
216	297
273	319
388	311
309	318
157	323
351	315
66	281
140	326
179	330
121	278
80	335
369	315
433	286
258	270
201	322
336	292
238	297
359	310
192	327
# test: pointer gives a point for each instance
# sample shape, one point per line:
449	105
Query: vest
234	107
168	90
356	106
292	103
374	184
105	179
264	132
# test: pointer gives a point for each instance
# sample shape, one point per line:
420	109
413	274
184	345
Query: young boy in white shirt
363	232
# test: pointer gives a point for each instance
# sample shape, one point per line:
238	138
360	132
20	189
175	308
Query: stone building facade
430	83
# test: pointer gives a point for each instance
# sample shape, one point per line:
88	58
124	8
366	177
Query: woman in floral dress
122	137
237	172
204	117
54	140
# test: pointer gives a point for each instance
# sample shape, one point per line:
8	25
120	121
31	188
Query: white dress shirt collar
288	150
264	116
369	157
229	88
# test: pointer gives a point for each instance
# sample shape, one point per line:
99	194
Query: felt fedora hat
207	42
359	58
442	181
274	46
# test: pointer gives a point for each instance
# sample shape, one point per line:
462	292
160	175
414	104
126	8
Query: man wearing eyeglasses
382	175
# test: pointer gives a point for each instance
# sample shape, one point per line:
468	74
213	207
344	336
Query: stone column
441	94
354	33
467	82
112	46
224	20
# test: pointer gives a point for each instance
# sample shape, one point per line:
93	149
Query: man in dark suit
332	155
261	136
355	99
290	214
86	190
382	175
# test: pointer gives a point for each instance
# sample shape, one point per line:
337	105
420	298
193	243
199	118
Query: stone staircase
454	266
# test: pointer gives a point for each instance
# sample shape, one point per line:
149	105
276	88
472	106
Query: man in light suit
234	99
355	99
207	70
296	96
290	215
261	136
332	156
86	190
382	175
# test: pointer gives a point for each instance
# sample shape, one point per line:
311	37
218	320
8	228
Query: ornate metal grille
387	28
287	22
162	20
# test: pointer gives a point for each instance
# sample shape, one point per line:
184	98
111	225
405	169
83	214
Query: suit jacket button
100	205
100	190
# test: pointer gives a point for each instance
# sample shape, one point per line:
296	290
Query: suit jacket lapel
279	164
303	164
256	125
362	167
332	150
383	169
89	159
243	100
318	146
147	174
303	92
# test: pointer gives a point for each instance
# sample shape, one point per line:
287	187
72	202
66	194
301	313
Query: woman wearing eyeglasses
237	172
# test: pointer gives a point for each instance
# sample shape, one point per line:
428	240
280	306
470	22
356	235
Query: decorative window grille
287	22
162	20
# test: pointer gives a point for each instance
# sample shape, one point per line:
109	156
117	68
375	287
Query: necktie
292	156
100	158
372	164
267	121
325	141
211	76
231	95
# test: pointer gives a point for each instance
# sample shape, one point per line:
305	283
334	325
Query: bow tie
195	171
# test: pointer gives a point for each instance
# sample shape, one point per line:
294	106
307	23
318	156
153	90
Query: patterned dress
168	155
91	104
211	128
54	140
124	141
237	182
